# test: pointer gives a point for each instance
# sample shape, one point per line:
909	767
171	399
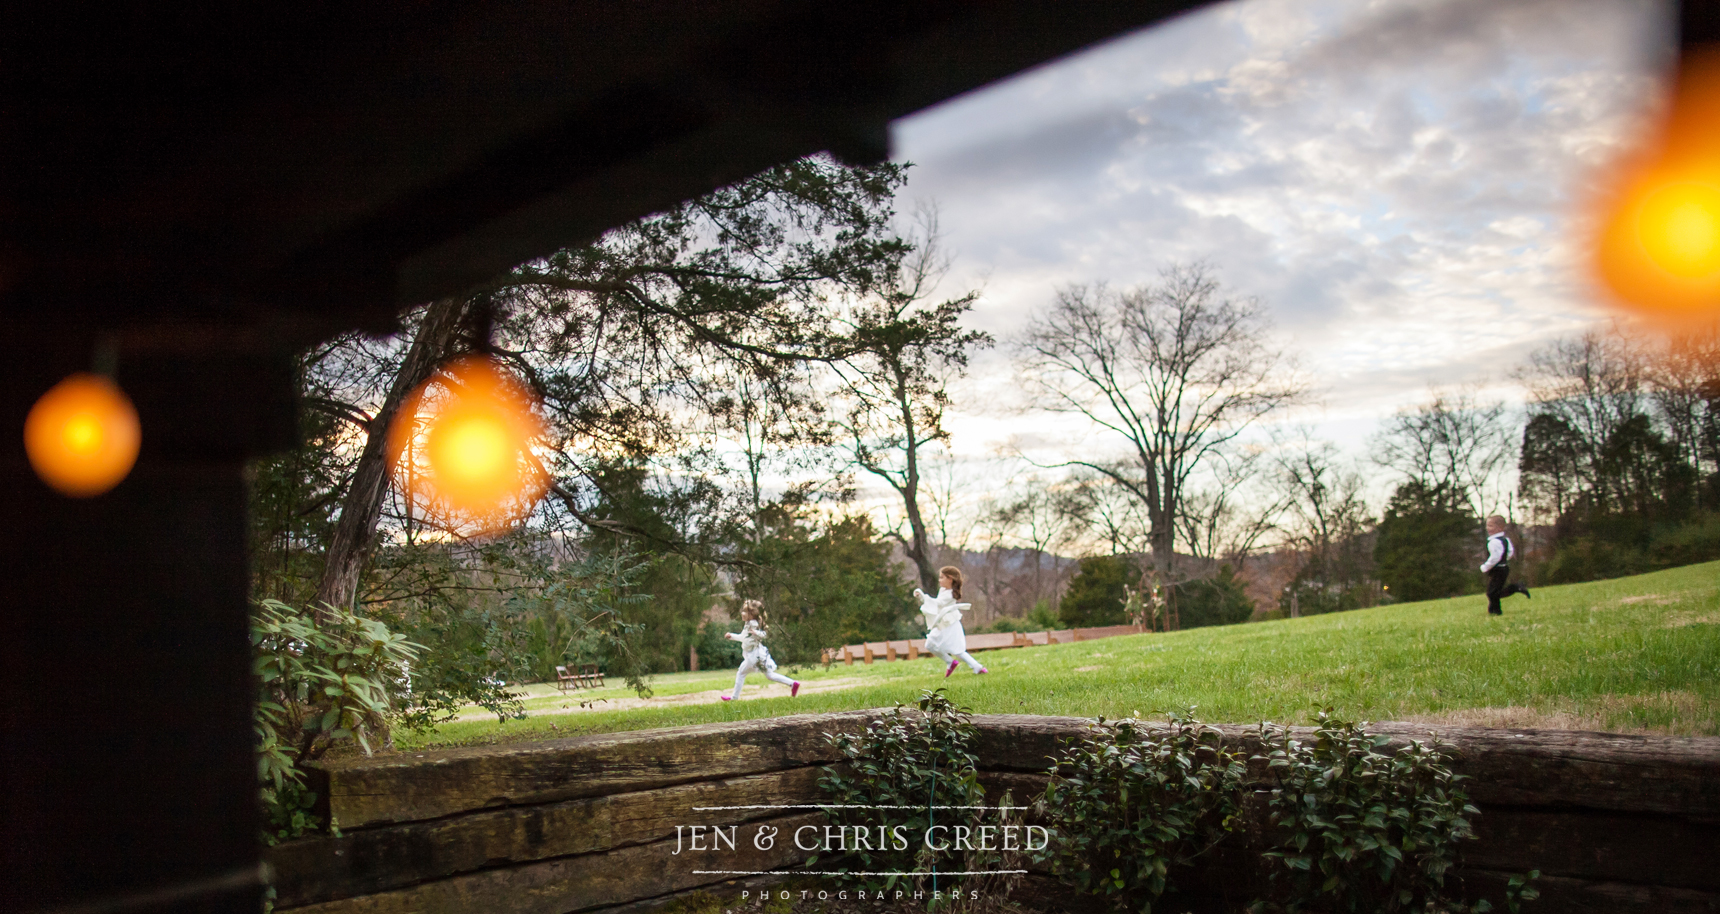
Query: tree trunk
355	531
918	549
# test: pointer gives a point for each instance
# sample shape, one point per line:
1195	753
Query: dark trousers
1497	589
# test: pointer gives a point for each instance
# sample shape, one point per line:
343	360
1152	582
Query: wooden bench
590	675
565	680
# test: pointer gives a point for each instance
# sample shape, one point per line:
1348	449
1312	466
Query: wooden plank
365	793
1562	895
378	859
578	883
1657	850
1669	775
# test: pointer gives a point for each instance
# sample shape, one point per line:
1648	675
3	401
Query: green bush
1589	558
1358	830
716	651
915	758
1130	805
1693	542
322	681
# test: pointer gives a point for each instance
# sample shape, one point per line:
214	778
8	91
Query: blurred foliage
824	582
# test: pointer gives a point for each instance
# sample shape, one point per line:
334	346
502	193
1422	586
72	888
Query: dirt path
574	703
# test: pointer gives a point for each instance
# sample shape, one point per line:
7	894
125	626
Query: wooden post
868	648
890	650
847	656
913	650
692	659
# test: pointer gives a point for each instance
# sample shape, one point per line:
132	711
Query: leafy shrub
1696	541
914	757
1007	624
1131	804
323	681
1590	558
1360	830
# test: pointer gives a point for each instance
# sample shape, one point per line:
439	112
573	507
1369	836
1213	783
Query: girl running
754	655
943	618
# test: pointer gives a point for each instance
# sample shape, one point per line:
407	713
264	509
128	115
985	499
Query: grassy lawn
1635	654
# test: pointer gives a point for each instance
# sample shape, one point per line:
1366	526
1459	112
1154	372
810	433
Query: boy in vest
1497	567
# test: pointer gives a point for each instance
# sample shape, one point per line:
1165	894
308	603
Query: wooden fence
1616	824
914	648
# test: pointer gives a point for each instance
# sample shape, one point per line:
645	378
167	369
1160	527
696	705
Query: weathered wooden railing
1616	824
915	648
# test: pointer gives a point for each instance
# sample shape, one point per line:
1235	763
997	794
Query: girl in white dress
754	655
943	618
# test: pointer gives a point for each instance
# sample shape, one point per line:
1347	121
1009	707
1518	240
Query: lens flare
1658	249
82	436
462	447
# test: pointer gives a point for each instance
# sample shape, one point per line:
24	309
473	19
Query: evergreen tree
1219	600
1095	596
1425	544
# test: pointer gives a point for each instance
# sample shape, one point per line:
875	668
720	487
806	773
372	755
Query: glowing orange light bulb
82	436
461	446
1659	244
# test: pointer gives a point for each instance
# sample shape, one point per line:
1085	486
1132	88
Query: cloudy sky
1400	181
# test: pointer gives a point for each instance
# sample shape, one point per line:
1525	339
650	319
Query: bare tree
1455	444
1176	370
779	426
952	492
1685	388
1103	515
1033	514
1228	520
1582	393
893	387
1326	519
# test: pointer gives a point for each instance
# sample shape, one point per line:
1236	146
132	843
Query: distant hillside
1008	582
1001	582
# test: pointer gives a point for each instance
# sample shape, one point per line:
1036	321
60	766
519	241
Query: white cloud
1400	181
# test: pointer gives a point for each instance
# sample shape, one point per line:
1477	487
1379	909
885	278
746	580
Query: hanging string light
1658	249
82	436
461	447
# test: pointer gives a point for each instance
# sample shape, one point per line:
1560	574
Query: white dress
943	617
754	656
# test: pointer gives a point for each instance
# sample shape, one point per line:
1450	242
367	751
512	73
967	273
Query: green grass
1633	654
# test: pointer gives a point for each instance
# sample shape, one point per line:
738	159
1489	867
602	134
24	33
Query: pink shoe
951	668
728	698
981	671
794	690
